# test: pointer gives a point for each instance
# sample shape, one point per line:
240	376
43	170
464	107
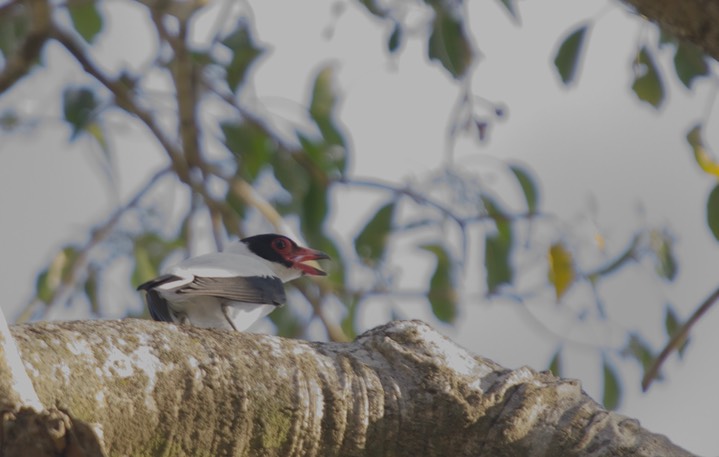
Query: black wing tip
160	280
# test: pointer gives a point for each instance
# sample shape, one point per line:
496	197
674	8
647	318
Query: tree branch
696	21
400	390
679	337
98	235
19	63
125	99
15	385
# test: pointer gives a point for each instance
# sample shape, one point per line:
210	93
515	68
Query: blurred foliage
287	180
612	394
569	53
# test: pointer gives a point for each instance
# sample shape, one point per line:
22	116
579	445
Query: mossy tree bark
148	388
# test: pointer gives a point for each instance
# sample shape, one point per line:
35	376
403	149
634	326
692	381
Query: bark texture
696	21
148	388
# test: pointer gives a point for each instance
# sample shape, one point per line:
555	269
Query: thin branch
98	235
678	339
125	99
420	199
244	191
185	81
334	332
246	114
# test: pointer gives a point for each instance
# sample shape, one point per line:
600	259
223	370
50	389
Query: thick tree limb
151	388
16	389
696	21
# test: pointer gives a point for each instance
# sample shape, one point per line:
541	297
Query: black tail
158	306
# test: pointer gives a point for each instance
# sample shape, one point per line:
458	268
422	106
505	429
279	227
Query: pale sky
592	143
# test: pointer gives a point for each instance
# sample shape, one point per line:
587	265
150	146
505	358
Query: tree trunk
696	21
148	388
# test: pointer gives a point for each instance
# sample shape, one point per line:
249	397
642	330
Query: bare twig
334	332
98	235
185	81
125	99
678	339
246	114
420	199
244	191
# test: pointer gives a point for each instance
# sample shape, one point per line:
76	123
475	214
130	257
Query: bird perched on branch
231	289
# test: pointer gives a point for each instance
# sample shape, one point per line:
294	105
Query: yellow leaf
701	155
561	269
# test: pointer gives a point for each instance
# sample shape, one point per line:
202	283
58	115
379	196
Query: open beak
305	259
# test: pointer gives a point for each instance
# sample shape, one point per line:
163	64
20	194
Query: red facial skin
297	255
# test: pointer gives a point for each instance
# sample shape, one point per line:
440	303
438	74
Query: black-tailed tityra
231	289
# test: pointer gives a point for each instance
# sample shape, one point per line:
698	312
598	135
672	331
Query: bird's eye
280	244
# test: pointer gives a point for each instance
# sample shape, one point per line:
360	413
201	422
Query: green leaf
561	269
497	252
150	250
647	84
288	323
395	38
511	8
529	188
672	324
713	211
704	158
252	146
371	242
293	178
64	262
555	365
612	395
43	289
236	203
442	293
349	322
91	291
314	208
639	350
567	59
323	105
9	120
448	42
373	6
244	53
665	37
85	18
144	270
689	63
493	209
80	108
661	245
59	271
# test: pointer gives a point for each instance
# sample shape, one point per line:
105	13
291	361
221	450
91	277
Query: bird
230	289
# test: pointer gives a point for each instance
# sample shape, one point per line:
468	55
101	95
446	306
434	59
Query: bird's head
286	259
